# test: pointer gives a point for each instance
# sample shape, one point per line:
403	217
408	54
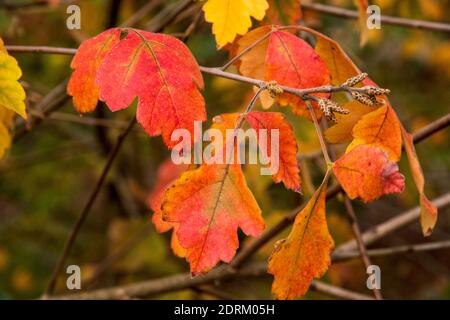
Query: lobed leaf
159	70
86	62
12	94
232	17
288	171
209	204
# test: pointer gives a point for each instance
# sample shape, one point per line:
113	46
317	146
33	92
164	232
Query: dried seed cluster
330	107
351	82
366	95
274	89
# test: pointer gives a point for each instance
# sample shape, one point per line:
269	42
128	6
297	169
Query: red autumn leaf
162	73
366	172
288	171
86	62
287	59
428	212
168	172
209	204
305	254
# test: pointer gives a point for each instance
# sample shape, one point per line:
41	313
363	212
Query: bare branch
411	248
182	281
359	240
397	21
379	231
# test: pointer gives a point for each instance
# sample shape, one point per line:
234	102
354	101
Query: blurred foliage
47	176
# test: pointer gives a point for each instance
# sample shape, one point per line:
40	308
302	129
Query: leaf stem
323	146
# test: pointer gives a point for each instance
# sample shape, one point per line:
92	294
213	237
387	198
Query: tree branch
223	272
379	231
359	240
438	245
182	281
397	21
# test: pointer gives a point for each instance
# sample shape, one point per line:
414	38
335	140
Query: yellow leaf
232	17
6	117
12	95
2	46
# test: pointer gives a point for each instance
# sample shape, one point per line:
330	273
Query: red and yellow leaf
367	173
305	253
428	212
162	73
285	58
288	169
90	55
209	204
380	128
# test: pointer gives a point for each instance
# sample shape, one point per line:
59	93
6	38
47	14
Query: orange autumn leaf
305	253
428	212
285	58
86	62
342	130
362	18
367	173
338	62
288	169
161	72
208	205
380	128
284	12
168	172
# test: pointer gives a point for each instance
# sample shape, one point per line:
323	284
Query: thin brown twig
382	230
303	93
84	213
397	21
410	248
432	128
182	281
361	245
319	133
